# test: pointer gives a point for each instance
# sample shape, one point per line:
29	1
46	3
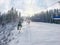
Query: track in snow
37	33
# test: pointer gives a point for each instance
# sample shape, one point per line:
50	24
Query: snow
5	32
36	33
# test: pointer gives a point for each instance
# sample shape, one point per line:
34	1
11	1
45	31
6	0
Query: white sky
27	7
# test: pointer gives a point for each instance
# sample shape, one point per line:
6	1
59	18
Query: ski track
37	33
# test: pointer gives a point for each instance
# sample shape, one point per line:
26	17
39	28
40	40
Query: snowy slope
37	33
5	33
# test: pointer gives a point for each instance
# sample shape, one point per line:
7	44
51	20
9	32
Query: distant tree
46	16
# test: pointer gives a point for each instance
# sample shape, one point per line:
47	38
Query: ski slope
36	33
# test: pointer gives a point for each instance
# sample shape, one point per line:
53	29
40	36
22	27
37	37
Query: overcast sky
27	7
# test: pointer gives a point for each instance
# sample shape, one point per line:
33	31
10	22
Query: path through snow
37	33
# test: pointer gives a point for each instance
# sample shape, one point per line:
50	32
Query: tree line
47	16
10	16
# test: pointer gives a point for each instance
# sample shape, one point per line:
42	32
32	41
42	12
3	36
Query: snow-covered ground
5	33
36	33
